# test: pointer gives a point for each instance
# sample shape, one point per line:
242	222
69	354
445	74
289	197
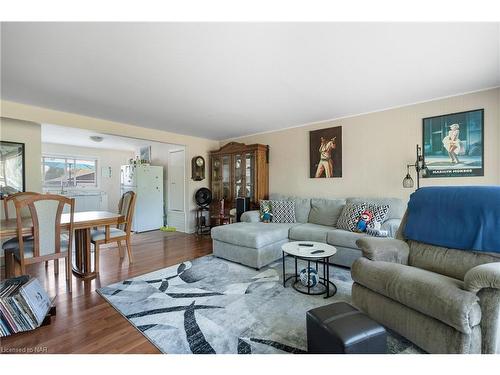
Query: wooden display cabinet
239	170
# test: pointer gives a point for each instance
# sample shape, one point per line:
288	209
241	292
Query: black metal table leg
308	276
327	265
296	276
284	278
324	269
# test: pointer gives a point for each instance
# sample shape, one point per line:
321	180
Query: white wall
194	145
376	149
106	158
28	133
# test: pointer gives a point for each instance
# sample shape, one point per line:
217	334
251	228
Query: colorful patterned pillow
283	211
379	213
349	217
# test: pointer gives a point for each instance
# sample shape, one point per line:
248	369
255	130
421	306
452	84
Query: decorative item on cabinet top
240	170
198	168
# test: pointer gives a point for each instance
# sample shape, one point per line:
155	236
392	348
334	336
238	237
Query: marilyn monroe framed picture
453	144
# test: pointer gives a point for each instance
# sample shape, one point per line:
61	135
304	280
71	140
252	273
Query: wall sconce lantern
420	168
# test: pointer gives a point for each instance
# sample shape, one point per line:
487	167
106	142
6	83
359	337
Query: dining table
83	264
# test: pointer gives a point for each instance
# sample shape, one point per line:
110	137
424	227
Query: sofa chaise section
254	244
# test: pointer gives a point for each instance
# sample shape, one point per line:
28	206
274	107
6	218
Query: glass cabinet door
226	177
216	178
238	176
249	176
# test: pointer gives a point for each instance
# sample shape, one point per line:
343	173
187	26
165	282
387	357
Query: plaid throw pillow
283	211
350	215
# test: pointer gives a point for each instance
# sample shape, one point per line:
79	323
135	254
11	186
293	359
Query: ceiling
223	80
81	137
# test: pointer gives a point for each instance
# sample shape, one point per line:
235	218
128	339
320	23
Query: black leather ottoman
340	328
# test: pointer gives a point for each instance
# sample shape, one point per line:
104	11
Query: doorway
99	161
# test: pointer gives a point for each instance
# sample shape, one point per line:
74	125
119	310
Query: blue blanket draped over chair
459	217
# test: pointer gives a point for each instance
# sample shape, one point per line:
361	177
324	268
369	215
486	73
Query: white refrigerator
147	183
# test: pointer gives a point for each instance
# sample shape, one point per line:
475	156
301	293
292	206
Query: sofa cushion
254	235
432	294
250	216
391	226
302	209
344	238
325	211
309	232
396	206
302	206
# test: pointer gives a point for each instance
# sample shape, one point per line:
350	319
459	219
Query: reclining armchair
443	300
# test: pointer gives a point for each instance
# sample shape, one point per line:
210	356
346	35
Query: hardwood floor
85	322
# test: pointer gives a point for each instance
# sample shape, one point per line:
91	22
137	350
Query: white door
176	187
176	168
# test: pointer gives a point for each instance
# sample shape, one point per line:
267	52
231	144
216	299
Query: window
68	171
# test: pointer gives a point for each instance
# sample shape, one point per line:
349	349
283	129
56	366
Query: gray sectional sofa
257	244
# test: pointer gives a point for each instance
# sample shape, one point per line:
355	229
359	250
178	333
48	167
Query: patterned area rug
210	305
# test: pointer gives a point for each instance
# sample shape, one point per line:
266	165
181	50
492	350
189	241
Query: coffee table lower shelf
329	288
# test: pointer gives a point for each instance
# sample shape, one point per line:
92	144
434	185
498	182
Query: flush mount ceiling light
96	138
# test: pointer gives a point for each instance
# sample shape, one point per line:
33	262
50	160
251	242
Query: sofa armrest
384	249
485	281
250	216
483	276
391	226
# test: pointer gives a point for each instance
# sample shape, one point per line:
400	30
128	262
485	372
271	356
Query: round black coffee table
315	253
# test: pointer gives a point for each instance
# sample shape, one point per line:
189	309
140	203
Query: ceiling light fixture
96	138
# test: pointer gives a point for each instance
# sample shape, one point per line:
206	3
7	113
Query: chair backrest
46	212
10	208
126	208
445	261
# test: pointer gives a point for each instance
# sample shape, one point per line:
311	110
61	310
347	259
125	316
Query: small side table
202	220
317	253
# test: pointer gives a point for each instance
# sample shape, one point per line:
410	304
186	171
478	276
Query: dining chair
121	233
49	243
10	208
10	213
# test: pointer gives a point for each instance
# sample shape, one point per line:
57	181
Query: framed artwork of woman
454	144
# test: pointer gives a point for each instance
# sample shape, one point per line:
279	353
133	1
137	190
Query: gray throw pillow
325	211
348	219
283	211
